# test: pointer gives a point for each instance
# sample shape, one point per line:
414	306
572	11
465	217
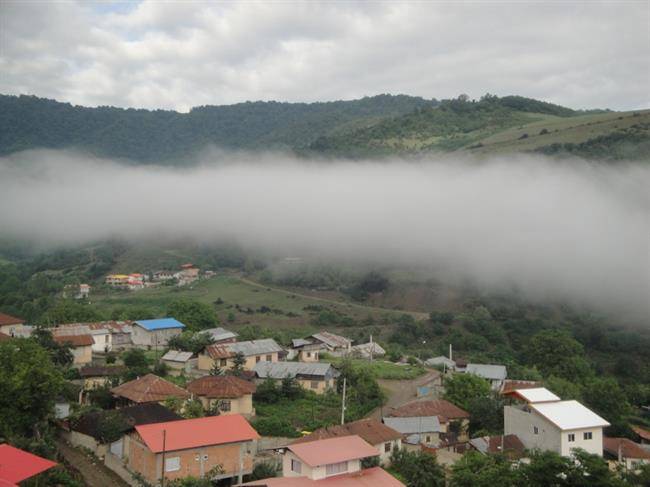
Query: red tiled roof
370	430
510	386
437	407
9	320
17	465
198	432
629	449
74	340
643	433
149	388
369	477
222	386
333	450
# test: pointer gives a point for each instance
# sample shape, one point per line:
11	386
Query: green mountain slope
28	122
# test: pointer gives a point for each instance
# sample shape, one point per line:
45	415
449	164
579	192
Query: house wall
206	362
321	385
234	458
82	355
308	356
595	445
140	336
10	329
79	439
314	473
384	456
521	423
103	342
240	405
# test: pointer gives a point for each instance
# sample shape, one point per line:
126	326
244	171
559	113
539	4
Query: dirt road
416	314
93	471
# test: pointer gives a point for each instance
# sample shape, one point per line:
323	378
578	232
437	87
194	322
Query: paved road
94	473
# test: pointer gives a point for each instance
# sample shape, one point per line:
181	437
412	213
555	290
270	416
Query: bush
265	470
418	469
275	427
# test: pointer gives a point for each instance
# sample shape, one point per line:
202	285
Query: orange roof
643	433
17	465
9	320
74	340
629	449
371	430
149	388
369	477
219	351
196	433
333	450
221	386
437	407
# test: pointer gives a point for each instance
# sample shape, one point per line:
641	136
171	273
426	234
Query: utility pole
450	356
162	480
345	381
372	347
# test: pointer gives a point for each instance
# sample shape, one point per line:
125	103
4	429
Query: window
223	362
269	358
428	439
308	354
587	435
172	464
314	384
296	466
572	437
334	468
225	406
535	430
387	447
258	358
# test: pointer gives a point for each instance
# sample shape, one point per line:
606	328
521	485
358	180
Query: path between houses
93	471
416	314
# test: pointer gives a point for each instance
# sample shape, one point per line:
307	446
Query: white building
545	422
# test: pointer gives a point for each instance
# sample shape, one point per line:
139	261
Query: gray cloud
569	229
181	54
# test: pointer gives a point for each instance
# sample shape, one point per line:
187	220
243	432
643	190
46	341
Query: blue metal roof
160	324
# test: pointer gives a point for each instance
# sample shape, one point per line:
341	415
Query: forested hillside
28	122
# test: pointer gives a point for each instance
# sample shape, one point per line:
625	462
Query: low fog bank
569	230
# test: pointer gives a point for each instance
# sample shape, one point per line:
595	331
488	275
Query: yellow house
230	394
254	351
313	376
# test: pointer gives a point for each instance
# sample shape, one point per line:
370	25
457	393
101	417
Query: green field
382	369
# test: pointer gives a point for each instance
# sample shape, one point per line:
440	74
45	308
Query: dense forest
28	122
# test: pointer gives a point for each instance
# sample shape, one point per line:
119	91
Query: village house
454	422
155	333
305	350
178	361
335	344
149	388
510	386
97	376
642	434
313	376
417	430
117	280
541	420
193	447
442	362
368	350
120	333
625	452
384	438
330	462
10	325
509	445
18	465
87	431
187	275
495	374
163	275
135	282
102	337
226	393
81	347
221	335
254	351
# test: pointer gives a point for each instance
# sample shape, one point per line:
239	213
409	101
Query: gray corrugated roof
441	360
299	342
219	333
177	356
421	424
488	371
255	347
281	370
332	340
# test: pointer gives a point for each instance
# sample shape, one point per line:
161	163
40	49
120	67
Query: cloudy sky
177	55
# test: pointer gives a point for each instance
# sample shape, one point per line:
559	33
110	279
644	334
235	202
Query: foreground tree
478	470
195	314
418	469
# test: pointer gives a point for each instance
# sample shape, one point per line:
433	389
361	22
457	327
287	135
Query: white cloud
182	54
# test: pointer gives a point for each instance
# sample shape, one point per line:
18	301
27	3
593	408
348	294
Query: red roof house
9	324
149	388
17	465
370	477
193	447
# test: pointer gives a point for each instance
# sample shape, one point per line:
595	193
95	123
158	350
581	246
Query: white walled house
555	425
326	458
